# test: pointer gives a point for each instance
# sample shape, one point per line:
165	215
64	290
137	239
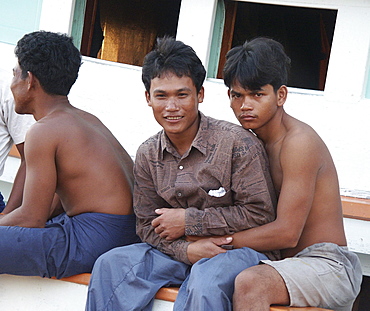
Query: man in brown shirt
197	177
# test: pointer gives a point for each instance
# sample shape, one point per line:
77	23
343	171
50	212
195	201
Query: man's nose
247	104
172	105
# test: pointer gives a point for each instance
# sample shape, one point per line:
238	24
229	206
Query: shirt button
179	194
181	167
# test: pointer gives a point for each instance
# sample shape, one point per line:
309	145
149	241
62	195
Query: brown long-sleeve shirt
223	182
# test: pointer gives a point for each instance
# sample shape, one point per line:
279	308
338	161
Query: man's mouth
173	118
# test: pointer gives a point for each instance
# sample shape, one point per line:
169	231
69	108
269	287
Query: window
306	34
18	18
125	31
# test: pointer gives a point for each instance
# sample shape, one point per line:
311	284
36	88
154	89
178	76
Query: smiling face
175	101
255	108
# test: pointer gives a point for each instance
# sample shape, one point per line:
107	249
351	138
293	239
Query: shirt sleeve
17	124
251	192
146	201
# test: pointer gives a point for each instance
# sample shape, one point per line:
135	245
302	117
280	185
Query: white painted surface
201	14
20	293
358	233
57	16
114	92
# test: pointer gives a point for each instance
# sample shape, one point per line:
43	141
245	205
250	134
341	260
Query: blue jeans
127	278
210	285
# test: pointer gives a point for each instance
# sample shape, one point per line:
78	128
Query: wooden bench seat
170	293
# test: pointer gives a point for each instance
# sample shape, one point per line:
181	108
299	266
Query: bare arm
16	195
40	182
207	248
300	163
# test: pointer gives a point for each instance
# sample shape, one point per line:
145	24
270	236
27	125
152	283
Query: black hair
256	63
171	56
52	58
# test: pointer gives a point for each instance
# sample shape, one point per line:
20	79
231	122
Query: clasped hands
170	225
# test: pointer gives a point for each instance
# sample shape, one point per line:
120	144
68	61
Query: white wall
114	92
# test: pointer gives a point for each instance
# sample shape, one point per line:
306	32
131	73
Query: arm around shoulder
299	163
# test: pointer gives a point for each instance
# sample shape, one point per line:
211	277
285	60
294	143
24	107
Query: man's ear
201	95
147	97
32	80
282	93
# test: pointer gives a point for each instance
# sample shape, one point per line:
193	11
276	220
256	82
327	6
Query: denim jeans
127	278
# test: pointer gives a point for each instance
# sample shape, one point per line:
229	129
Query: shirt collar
199	142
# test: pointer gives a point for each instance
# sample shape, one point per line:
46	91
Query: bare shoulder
301	135
302	144
40	134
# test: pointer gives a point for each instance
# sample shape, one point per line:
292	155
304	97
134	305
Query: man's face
19	88
175	101
254	108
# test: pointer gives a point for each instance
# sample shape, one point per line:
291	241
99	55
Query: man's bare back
73	162
87	156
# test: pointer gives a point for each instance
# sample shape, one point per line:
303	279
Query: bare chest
275	170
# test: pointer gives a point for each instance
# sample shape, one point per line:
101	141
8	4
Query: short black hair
256	63
172	56
52	58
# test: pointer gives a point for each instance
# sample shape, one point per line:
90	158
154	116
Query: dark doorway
306	34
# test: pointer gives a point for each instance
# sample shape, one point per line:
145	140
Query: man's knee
117	256
248	280
263	281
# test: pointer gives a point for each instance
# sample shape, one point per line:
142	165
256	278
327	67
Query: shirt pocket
210	199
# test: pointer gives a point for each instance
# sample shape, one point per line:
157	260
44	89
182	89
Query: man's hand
207	248
170	225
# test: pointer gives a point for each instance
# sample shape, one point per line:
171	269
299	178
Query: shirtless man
75	169
319	270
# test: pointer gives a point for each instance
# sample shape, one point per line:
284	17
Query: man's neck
48	104
180	143
274	130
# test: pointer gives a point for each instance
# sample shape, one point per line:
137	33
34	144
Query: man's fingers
222	240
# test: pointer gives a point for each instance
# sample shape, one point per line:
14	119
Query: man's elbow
290	240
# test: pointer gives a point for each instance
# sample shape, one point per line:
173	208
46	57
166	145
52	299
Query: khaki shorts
322	275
